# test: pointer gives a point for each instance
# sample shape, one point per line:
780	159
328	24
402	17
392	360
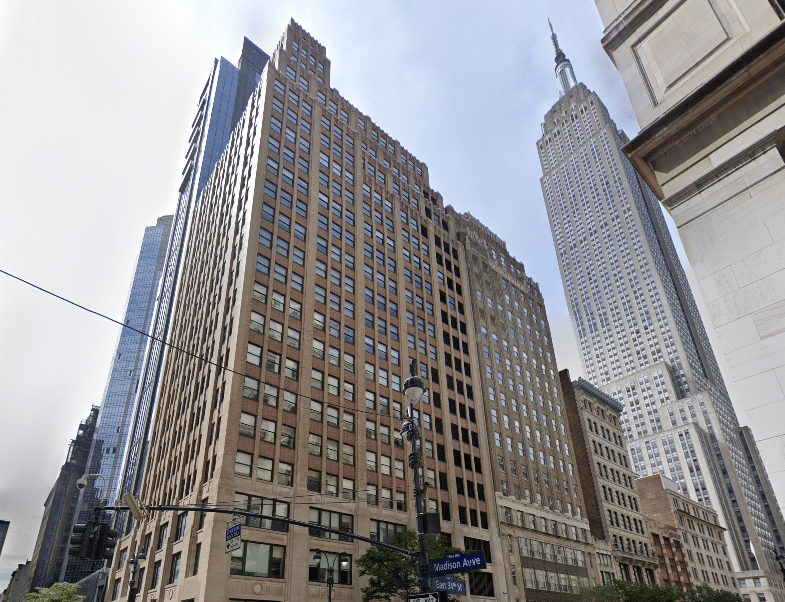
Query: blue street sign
233	538
450	585
458	563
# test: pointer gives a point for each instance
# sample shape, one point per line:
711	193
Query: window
253	355
242	467
332	520
264	469
156	575
258	560
314	481
174	569
267	431
273	362
314	444
247	425
182	522
285	474
259	505
348	422
287	436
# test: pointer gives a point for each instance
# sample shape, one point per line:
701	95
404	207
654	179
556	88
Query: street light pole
413	390
341	558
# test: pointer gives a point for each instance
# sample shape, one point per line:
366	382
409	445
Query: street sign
458	563
233	538
426	597
450	585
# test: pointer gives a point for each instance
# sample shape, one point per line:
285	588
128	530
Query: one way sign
426	597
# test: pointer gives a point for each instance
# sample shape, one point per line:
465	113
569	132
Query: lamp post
342	558
413	390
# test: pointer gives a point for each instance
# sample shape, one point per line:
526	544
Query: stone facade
608	480
319	263
548	551
707	82
673	515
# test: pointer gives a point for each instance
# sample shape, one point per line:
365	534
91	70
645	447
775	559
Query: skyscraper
705	81
308	281
219	108
640	334
60	509
533	472
115	416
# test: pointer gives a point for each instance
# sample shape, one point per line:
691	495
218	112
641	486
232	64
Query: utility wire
767	438
181	350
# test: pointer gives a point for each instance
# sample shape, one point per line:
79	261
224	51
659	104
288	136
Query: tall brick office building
320	262
309	281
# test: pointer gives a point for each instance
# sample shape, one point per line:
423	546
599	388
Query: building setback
705	80
608	481
548	552
307	284
703	545
641	337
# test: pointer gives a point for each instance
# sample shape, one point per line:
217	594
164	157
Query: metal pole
413	389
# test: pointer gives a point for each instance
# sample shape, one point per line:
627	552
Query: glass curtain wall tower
220	106
111	433
640	334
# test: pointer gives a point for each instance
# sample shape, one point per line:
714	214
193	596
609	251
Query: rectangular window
258	560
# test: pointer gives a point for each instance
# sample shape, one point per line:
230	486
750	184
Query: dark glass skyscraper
640	334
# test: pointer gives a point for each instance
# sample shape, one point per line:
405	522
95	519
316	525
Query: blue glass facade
218	110
108	448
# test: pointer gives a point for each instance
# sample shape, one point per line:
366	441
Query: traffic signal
105	542
82	539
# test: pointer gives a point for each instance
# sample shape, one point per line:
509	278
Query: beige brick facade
319	262
548	553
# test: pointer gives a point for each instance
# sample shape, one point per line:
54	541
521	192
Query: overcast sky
96	104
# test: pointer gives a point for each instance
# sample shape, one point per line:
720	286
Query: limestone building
319	262
545	533
641	337
702	537
608	480
705	79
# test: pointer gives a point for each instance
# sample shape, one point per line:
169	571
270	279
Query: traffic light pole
280	519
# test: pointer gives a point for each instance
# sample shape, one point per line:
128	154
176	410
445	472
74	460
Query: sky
96	104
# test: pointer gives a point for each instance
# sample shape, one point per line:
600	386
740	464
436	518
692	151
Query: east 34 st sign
458	563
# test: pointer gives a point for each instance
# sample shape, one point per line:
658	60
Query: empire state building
641	337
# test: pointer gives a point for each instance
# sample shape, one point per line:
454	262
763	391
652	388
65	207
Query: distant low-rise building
608	483
19	585
702	538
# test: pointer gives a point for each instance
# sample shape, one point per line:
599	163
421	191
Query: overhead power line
169	345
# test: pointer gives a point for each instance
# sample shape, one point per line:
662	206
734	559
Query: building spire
564	73
560	56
